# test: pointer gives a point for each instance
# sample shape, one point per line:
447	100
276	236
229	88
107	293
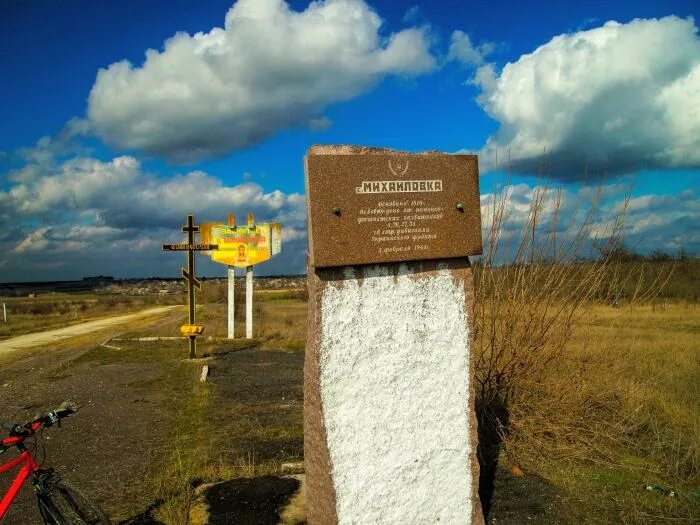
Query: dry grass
200	439
279	316
212	442
618	411
599	400
205	446
530	293
564	376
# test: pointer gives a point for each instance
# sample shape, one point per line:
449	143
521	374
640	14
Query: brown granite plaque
389	206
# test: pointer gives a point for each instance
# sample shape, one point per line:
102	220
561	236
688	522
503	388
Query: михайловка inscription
399	186
392	206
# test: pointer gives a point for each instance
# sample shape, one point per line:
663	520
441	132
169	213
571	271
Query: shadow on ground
265	500
255	501
526	499
145	517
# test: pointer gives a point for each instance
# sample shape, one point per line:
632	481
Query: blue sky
97	169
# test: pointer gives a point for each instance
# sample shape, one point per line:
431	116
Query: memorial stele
390	430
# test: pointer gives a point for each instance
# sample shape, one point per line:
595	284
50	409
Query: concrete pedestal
389	427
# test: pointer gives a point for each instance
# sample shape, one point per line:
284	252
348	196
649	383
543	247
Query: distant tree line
620	252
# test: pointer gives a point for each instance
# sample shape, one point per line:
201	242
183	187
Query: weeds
536	394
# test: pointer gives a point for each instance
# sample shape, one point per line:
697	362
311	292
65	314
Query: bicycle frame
28	468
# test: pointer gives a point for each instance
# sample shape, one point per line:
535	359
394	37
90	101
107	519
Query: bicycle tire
62	503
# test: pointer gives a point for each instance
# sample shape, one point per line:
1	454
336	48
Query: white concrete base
394	389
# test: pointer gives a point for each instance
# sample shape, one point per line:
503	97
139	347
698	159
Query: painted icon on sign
243	246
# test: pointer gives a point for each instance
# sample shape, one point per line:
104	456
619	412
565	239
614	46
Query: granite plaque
388	206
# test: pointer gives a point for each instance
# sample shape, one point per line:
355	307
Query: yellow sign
242	246
191	329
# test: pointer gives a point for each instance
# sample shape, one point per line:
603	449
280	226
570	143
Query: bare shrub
530	291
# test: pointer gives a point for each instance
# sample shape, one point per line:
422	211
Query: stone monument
389	426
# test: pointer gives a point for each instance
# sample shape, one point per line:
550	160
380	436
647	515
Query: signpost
231	274
264	243
242	247
389	350
191	330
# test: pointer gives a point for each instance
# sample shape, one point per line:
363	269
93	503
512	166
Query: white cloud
33	242
616	98
462	50
667	222
122	195
412	14
268	68
111	216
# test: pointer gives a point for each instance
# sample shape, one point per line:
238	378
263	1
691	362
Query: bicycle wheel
61	503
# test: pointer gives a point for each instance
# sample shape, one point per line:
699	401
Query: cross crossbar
190	226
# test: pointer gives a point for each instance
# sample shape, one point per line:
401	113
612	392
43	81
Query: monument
389	425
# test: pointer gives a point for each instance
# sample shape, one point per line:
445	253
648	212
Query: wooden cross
188	273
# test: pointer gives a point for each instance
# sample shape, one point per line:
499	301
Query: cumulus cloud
268	68
615	99
667	222
462	50
124	196
66	238
111	216
86	216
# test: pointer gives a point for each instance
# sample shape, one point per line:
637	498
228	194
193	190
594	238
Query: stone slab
390	433
389	206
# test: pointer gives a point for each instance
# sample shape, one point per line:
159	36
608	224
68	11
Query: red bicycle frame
30	467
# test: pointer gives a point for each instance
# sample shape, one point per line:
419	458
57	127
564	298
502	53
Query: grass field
616	411
619	411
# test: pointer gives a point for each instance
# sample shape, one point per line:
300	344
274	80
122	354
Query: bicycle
60	503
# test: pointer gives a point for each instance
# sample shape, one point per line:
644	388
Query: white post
4	312
231	287
249	302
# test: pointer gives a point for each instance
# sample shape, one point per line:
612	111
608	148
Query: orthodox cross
188	273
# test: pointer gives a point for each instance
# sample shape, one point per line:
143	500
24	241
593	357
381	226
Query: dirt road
52	336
